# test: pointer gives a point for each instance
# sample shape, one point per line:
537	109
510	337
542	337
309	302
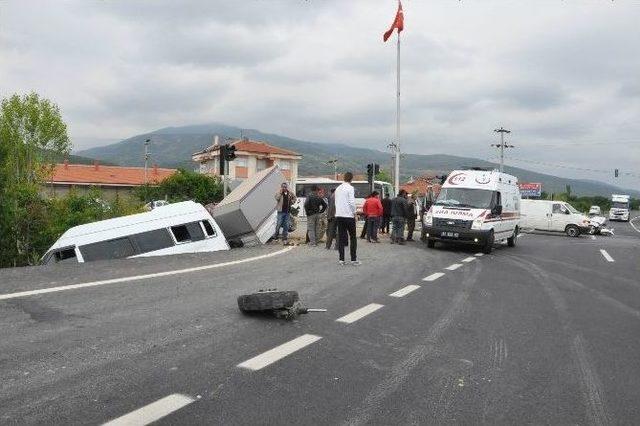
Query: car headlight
477	224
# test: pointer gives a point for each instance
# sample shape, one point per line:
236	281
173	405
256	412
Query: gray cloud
561	76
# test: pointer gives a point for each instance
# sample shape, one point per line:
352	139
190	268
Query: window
112	249
261	164
284	164
208	228
181	233
59	255
240	162
188	232
153	240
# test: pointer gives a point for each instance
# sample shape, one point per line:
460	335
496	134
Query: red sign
530	189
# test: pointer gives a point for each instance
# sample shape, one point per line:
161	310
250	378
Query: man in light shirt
346	218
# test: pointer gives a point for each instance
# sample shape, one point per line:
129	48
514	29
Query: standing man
373	209
331	220
285	199
412	215
386	214
363	234
399	209
314	206
346	218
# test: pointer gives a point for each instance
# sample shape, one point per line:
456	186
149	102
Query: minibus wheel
488	245
431	243
511	241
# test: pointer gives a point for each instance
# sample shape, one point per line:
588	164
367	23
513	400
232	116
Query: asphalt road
546	333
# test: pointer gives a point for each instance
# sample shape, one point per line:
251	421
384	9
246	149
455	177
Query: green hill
173	146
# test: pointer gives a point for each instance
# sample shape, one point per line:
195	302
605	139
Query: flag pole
397	158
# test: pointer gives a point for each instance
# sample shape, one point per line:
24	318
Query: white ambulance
477	207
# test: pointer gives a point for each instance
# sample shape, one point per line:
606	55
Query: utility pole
146	158
396	180
395	160
502	146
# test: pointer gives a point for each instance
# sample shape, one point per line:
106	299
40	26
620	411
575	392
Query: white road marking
279	352
153	412
468	259
453	267
433	277
405	290
140	277
606	256
632	225
479	254
359	313
593	237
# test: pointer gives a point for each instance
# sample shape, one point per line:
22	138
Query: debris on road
282	304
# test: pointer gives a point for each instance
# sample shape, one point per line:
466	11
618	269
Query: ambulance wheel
488	244
572	231
266	300
511	241
431	243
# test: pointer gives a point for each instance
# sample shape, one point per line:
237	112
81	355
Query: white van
557	216
476	207
185	227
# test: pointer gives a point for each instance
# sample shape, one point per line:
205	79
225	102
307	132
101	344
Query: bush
182	186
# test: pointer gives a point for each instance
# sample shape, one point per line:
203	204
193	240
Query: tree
184	185
32	132
384	176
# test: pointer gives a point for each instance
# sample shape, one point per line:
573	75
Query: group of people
340	208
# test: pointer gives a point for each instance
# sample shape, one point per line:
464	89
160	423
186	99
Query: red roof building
110	179
251	157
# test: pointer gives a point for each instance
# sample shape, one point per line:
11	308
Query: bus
361	187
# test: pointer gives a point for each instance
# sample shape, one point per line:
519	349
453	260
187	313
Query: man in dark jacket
331	219
314	206
412	215
399	209
386	214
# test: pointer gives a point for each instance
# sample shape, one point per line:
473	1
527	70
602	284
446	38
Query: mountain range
173	146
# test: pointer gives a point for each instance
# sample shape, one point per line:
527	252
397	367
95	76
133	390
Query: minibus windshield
466	197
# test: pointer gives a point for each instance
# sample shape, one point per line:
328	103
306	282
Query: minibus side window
60	255
208	228
188	232
157	239
112	249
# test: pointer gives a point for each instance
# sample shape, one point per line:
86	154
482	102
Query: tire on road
511	241
488	245
572	231
431	243
267	300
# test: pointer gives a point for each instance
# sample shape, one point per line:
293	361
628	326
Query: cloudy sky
564	76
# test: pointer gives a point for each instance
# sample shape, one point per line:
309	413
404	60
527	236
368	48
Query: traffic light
370	173
616	172
223	155
376	169
230	153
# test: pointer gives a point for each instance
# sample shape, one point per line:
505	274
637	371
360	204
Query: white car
595	211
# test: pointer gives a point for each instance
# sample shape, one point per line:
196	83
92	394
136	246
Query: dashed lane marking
279	352
139	277
632	225
479	254
433	277
405	290
153	412
468	259
453	267
359	313
606	255
593	237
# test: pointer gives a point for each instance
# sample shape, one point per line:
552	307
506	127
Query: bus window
111	249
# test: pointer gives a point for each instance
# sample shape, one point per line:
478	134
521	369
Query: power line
564	166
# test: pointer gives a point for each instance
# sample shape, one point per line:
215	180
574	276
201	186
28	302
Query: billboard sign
530	190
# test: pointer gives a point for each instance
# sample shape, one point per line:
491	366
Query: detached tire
488	245
572	231
267	300
511	241
431	243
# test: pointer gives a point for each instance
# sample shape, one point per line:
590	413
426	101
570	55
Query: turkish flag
397	23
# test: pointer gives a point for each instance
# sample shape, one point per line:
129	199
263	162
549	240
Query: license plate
450	234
